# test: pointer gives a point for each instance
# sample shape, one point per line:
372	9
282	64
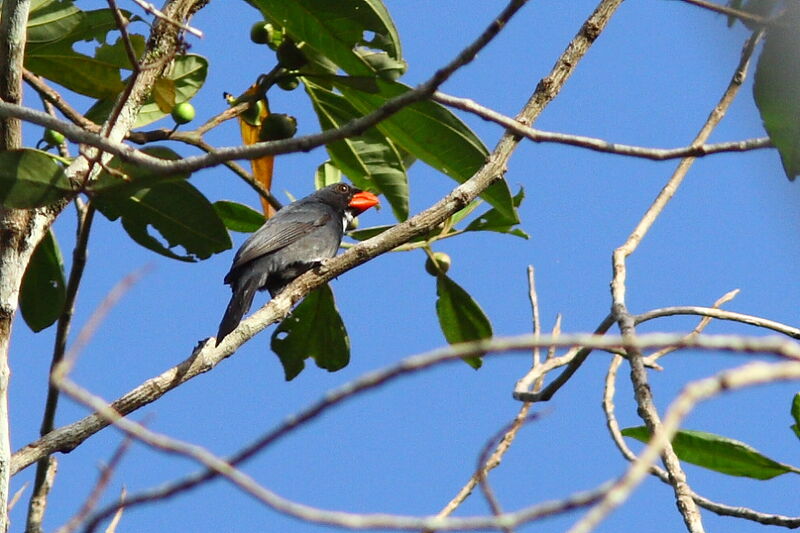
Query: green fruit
260	32
290	56
277	126
442	265
252	115
183	113
289	83
53	137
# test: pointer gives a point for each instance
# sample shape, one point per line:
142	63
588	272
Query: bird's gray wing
272	237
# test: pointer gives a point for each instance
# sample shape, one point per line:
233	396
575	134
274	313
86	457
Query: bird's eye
343	187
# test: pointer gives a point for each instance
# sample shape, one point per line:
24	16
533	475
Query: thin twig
106	472
598	145
150	8
38	502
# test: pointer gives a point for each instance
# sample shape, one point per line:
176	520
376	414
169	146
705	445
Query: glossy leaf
777	87
43	290
460	316
796	414
238	217
31	178
314	329
370	160
52	20
327	174
116	54
77	72
493	220
127	178
335	29
721	454
177	211
431	133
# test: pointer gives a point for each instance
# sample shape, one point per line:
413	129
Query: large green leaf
777	87
314	329
126	178
335	29
77	72
186	77
43	290
176	210
718	453
433	134
31	178
493	220
460	316
238	217
52	20
371	161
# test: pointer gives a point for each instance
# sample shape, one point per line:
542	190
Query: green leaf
31	178
431	133
52	20
188	74
77	72
327	174
371	160
777	87
116	54
721	454
43	290
126	178
314	329
796	414
493	220
176	210
238	217
335	29
460	316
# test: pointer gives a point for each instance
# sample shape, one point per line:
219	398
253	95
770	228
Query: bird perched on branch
297	238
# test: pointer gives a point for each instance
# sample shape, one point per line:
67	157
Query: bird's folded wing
276	237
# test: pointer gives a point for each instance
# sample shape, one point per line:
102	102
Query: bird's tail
240	303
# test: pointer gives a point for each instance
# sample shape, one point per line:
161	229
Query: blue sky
651	79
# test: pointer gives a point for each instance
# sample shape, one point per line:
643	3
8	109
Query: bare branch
598	145
150	8
642	392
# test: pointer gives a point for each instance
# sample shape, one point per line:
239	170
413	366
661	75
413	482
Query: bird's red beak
362	201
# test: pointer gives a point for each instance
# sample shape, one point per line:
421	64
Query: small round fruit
260	32
277	126
183	113
53	137
442	265
290	56
288	83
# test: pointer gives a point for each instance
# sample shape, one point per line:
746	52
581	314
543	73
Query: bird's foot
321	267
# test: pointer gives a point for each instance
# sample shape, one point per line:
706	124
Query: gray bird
298	237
